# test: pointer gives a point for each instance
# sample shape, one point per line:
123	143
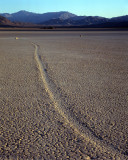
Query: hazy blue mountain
91	20
30	17
87	21
62	18
123	24
119	19
78	20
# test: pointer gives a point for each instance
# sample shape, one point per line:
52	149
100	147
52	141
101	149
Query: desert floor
64	95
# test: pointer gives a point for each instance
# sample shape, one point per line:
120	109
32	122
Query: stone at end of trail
87	158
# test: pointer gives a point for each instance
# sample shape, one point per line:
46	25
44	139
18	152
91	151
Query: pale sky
104	8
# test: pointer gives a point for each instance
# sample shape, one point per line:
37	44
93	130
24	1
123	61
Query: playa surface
64	95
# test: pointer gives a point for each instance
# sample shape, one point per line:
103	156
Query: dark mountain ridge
77	21
119	19
85	20
4	22
30	17
63	18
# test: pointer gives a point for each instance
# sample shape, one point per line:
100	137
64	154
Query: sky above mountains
105	8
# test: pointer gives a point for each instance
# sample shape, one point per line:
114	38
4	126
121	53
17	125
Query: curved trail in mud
83	130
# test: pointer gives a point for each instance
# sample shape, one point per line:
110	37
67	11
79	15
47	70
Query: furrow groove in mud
83	130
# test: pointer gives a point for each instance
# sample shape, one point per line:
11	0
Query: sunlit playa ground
64	95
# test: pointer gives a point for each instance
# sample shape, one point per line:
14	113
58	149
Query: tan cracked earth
64	96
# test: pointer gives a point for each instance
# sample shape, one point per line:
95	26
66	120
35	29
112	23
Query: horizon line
60	11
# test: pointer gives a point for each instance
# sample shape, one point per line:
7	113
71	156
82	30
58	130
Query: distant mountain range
30	17
76	21
61	19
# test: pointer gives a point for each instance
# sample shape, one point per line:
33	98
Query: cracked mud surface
89	72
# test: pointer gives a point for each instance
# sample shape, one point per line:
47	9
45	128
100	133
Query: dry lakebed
64	95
